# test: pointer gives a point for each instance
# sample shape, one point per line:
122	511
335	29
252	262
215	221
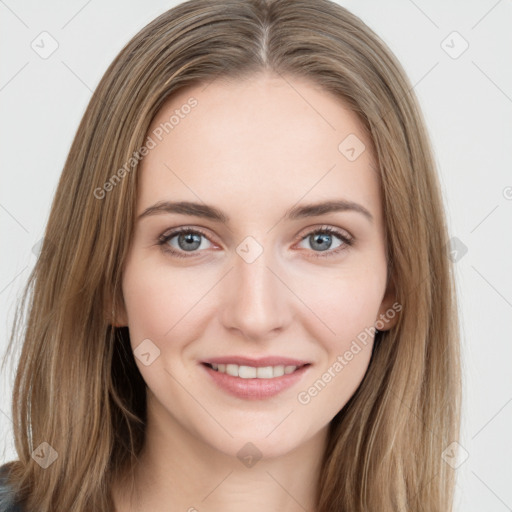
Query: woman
188	344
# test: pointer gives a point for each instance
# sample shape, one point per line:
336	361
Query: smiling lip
257	363
256	388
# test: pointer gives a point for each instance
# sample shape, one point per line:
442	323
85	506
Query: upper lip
259	362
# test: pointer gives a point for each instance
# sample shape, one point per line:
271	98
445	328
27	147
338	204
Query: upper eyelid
347	241
172	232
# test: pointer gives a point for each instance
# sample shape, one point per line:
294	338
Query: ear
117	313
389	309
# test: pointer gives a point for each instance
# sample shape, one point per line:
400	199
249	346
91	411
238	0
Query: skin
253	149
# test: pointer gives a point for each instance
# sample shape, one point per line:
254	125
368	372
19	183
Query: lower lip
255	389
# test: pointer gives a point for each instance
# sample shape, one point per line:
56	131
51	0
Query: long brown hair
77	387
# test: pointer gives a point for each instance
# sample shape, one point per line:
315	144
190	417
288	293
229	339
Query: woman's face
255	281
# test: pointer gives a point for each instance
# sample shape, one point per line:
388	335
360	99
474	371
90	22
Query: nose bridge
258	302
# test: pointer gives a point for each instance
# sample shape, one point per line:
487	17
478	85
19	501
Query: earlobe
119	319
118	324
389	310
118	316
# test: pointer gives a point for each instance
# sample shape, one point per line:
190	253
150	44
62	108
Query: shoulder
7	503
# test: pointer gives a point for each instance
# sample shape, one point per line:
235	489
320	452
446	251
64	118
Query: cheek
343	304
156	305
344	326
152	300
165	305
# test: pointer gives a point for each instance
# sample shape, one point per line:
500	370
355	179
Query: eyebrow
298	212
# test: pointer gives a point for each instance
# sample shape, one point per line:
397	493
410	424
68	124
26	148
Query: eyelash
347	241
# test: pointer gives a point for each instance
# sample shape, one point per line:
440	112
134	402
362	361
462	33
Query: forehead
268	138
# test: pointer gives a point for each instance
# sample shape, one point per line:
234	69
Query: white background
467	103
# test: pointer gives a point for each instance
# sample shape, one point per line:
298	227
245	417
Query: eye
187	240
183	240
322	238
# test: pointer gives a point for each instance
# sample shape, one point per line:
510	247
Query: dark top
7	502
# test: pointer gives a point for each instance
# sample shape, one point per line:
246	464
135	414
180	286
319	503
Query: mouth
255	372
255	383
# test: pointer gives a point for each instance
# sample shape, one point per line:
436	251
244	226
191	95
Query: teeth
251	372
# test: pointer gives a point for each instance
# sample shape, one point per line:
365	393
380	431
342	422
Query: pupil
324	238
190	239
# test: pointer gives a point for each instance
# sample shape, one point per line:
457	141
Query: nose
257	301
